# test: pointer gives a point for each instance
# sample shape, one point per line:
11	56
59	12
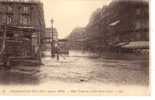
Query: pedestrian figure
57	51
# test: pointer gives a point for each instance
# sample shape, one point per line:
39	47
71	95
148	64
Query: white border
152	71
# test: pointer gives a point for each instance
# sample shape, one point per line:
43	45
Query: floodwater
81	67
87	67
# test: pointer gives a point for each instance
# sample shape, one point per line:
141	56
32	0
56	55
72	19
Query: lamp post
52	42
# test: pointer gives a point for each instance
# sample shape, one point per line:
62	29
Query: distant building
48	37
64	46
76	38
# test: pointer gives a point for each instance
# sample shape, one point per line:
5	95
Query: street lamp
52	42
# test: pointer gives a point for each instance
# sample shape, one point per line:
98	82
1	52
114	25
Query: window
9	19
141	24
9	8
138	25
3	19
26	9
138	11
1	8
25	20
0	18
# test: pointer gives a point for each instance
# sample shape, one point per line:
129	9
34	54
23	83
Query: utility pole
52	42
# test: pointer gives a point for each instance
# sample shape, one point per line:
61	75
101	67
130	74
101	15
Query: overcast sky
68	14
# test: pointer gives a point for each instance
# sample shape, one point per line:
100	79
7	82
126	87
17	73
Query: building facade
22	21
133	17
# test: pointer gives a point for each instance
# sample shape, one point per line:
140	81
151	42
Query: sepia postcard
74	48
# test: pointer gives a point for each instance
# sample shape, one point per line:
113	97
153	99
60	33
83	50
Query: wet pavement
79	67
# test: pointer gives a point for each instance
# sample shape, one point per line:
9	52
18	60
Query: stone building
131	19
22	21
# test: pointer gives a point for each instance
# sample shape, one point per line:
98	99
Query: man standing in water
57	48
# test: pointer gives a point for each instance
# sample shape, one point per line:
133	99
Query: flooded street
80	67
82	71
89	68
